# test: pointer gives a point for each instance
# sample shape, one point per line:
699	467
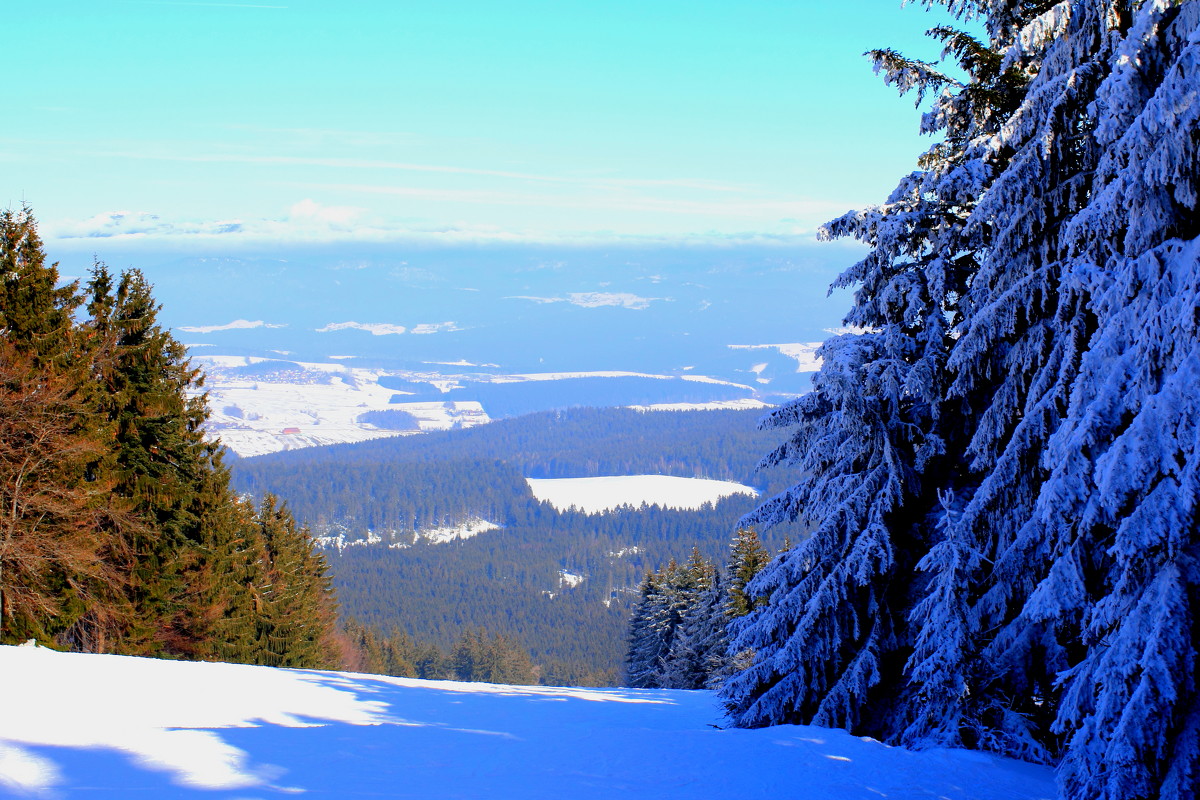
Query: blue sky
295	120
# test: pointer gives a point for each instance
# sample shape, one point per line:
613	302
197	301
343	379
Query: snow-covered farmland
261	407
118	727
595	495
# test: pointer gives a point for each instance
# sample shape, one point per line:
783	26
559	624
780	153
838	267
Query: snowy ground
116	727
595	495
805	353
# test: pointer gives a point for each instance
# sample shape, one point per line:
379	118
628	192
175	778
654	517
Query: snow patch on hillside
596	495
236	325
338	537
114	727
450	533
373	328
569	579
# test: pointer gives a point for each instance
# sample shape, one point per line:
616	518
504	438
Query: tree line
477	655
509	581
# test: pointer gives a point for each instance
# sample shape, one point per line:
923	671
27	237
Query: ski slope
93	726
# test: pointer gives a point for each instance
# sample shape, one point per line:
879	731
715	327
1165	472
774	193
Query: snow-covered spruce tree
1113	534
829	646
1076	365
699	643
1055	610
669	597
1009	368
647	643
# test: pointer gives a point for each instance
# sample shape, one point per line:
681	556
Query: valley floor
117	727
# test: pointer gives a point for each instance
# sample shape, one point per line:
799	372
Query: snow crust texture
119	727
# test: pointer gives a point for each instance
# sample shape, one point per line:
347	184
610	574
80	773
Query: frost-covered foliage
876	422
1003	469
678	631
666	629
699	644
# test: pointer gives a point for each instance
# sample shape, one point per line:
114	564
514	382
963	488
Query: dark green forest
571	443
509	581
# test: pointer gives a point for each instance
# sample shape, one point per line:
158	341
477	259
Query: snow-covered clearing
594	495
569	579
118	727
450	533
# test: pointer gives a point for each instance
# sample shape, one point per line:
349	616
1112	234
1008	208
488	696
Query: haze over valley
459	335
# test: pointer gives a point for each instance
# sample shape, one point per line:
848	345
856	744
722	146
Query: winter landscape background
490	299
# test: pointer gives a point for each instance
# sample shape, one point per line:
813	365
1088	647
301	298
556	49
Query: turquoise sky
456	120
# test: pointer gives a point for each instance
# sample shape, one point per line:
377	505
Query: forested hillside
414	482
511	581
572	443
561	584
1001	464
118	531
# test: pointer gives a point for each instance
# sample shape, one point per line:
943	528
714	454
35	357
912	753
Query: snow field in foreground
594	495
118	727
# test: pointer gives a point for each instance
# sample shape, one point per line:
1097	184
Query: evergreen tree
481	657
1005	521
1112	533
294	606
647	645
119	529
35	311
674	601
697	652
160	459
747	557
